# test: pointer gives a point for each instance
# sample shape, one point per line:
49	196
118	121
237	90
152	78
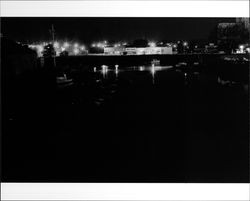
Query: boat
63	81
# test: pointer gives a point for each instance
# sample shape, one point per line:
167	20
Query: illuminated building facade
121	50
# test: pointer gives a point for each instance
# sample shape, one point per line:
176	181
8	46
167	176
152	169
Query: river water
135	124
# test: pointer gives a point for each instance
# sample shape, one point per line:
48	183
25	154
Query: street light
56	44
241	47
152	44
76	51
65	45
185	44
76	45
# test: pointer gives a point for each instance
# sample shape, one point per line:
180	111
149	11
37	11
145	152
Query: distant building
226	30
231	35
137	50
130	51
244	21
114	50
228	36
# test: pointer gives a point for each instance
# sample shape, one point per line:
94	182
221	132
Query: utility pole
53	41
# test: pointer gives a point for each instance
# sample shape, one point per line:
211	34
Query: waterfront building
118	50
121	50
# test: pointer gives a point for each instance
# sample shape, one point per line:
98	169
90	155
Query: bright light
32	46
116	72
62	48
104	67
241	47
76	51
105	42
76	45
65	45
104	70
124	43
100	45
82	47
93	45
40	48
152	44
141	68
56	44
185	44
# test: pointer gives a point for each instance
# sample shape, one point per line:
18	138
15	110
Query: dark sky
94	29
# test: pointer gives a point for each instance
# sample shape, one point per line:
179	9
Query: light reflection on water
152	69
107	71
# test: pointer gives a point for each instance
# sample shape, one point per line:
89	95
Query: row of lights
100	44
76	48
104	44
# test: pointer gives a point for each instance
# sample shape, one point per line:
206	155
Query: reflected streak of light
153	73
104	70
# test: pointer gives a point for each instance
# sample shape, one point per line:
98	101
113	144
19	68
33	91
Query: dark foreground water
142	124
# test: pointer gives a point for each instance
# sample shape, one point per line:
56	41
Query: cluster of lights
152	44
73	48
76	48
117	45
104	44
100	44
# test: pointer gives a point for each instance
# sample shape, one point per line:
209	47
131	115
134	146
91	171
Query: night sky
87	30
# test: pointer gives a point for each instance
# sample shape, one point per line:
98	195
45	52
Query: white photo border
124	191
136	8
